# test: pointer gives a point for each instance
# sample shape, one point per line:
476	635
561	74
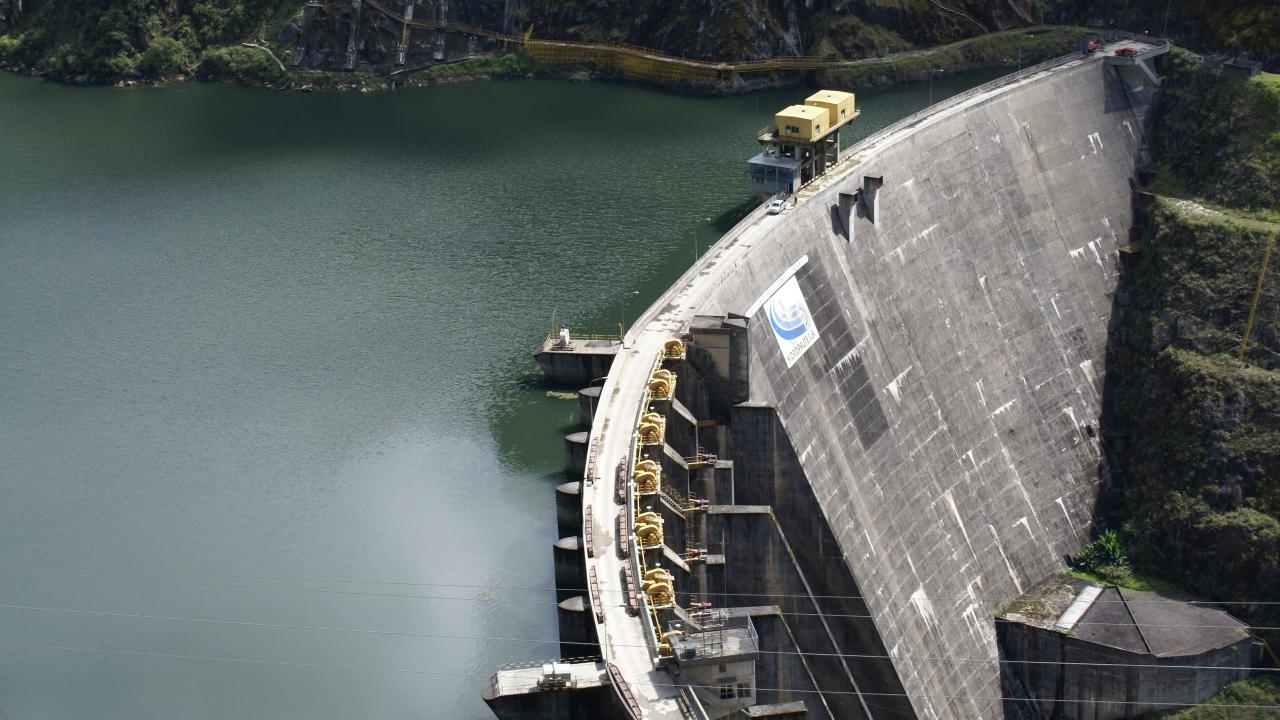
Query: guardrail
615	337
956	99
527	664
908	121
701	264
647	613
623	689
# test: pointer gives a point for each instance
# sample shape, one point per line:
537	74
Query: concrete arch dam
884	426
913	376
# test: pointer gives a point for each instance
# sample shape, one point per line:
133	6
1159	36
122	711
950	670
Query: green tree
112	53
164	58
1104	557
239	63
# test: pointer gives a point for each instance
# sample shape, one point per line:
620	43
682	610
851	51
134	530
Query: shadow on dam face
923	442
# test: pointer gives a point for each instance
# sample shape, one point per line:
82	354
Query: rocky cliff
93	41
1192	432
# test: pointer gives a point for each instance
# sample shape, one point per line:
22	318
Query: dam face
944	418
829	453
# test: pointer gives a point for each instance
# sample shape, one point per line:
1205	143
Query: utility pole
1257	294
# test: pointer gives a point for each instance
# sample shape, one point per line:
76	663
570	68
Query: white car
776	206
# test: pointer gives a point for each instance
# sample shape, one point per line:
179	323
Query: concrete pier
569	506
588	399
577	632
563	691
575	453
569	573
580	360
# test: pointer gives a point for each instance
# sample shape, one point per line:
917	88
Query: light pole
622	311
696	230
931	74
591	404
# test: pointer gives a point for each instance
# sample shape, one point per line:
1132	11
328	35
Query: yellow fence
633	62
613	337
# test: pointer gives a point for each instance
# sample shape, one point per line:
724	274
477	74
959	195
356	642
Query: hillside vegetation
96	40
1194	434
1237	701
105	41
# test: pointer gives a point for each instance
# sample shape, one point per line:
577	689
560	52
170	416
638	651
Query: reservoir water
271	445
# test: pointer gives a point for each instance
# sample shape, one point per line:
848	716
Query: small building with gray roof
1070	649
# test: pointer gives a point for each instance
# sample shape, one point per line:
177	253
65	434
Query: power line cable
148	653
941	696
488	638
363	668
360	593
275	578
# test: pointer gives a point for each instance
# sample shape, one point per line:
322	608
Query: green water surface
270	437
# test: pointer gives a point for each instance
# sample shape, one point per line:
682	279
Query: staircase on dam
882	424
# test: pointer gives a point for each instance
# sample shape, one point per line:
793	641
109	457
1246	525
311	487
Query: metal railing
754	216
614	337
647	613
528	664
956	99
673	496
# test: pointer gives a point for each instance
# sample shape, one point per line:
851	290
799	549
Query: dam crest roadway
959	264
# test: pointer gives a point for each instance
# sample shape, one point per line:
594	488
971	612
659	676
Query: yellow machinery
673	350
649	530
802	122
648	477
664	641
662	385
840	106
802	143
658	586
652	428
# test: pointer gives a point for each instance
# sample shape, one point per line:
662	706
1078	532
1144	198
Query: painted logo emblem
791	321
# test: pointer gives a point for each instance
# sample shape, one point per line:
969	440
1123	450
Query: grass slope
1193	435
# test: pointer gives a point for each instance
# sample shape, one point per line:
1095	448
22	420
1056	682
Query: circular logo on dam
791	321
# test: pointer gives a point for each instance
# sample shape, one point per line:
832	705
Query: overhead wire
548	588
489	638
57	571
414	671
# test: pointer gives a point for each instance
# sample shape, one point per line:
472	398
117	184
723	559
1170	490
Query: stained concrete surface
942	419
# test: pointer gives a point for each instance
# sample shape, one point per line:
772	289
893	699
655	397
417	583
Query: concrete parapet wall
945	418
